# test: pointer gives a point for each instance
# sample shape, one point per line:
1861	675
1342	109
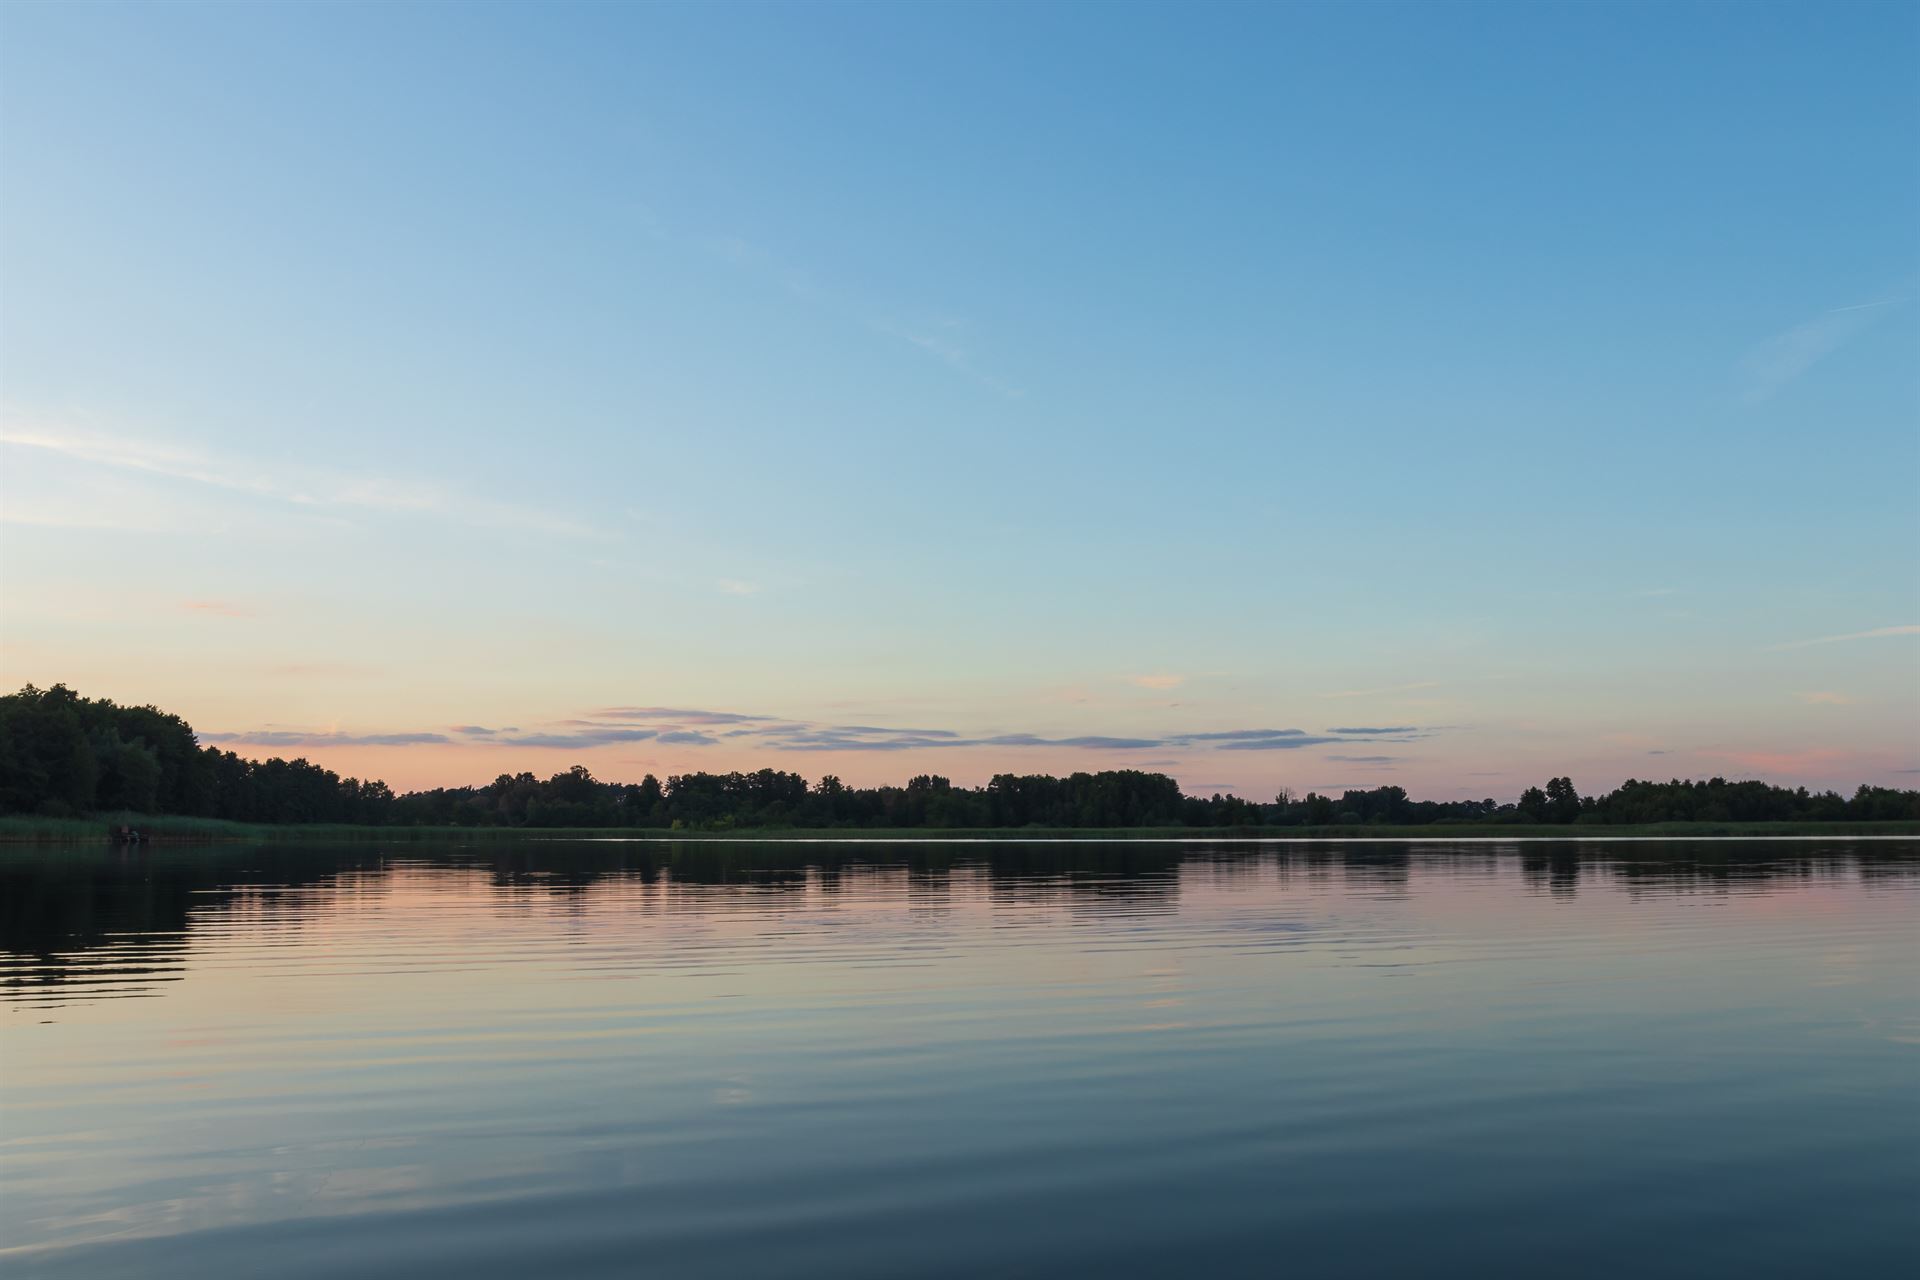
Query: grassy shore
177	830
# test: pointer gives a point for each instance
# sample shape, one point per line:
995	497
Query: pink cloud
1812	762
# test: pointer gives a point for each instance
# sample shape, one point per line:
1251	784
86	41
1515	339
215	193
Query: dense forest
62	755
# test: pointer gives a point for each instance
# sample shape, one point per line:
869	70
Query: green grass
97	830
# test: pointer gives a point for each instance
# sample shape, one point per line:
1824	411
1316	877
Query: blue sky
1540	378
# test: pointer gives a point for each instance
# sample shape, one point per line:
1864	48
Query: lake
837	1059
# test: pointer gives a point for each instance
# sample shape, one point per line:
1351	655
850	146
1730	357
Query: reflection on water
738	1059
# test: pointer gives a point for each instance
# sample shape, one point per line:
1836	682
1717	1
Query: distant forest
62	755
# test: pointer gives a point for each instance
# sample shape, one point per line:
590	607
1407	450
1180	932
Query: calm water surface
883	1060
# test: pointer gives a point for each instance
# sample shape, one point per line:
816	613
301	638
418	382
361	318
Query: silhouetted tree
62	754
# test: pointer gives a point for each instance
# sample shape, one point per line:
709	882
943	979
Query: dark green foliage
62	755
1718	800
47	765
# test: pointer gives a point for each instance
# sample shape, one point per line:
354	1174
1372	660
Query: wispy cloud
945	348
1824	698
1383	689
691	727
1158	681
735	587
1095	742
1293	736
137	455
678	715
305	487
1910	629
939	337
1778	361
686	738
1810	762
283	738
604	737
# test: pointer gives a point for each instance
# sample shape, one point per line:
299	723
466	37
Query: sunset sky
1279	397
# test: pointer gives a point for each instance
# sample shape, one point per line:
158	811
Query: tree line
64	755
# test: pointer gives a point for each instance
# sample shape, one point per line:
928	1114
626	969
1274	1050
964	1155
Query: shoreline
102	830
